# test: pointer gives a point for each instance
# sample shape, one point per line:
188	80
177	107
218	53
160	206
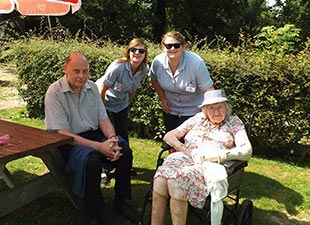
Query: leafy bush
284	39
40	63
272	83
275	86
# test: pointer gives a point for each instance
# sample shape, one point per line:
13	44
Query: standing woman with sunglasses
180	78
121	80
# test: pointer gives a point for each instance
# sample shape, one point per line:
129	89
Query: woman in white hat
212	135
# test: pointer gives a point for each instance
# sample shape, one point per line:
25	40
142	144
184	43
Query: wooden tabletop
25	140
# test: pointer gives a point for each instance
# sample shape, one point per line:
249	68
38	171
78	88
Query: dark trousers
120	122
93	199
172	121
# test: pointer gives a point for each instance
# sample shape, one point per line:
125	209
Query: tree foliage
284	39
294	12
120	20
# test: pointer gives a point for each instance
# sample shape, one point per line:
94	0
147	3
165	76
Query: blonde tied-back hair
134	42
176	35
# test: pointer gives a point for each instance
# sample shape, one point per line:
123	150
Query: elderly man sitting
73	107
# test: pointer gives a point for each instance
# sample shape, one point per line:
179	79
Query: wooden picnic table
28	141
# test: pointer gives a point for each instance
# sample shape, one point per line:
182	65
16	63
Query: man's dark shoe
133	173
94	221
122	207
95	217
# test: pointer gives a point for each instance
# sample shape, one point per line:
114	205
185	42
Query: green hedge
272	84
275	87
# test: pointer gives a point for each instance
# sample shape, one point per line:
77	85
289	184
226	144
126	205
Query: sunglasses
176	45
140	50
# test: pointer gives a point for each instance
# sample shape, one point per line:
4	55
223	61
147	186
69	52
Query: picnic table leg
54	161
7	177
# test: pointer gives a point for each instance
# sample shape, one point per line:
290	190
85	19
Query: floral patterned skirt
188	175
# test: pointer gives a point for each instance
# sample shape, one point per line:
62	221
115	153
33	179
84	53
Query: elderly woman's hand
210	153
186	150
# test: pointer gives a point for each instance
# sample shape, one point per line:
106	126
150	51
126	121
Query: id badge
191	88
118	86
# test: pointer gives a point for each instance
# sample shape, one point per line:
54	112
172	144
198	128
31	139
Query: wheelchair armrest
249	123
165	146
232	166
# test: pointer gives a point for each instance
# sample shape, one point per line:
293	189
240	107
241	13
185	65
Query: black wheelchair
234	212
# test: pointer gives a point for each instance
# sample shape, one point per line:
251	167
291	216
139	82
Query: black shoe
121	207
94	217
133	173
94	221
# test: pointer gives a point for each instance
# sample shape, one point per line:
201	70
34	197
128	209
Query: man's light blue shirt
65	110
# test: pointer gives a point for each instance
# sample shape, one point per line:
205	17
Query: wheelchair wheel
244	214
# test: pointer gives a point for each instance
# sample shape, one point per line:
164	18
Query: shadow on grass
56	209
271	217
257	186
20	176
145	175
294	154
53	208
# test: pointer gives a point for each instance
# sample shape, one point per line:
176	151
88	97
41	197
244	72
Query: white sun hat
214	96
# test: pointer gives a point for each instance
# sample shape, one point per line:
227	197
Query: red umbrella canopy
6	6
40	7
66	1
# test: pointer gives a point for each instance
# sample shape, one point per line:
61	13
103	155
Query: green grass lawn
280	191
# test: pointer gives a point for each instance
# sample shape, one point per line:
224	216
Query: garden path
9	96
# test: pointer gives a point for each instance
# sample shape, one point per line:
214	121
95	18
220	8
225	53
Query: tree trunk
159	25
